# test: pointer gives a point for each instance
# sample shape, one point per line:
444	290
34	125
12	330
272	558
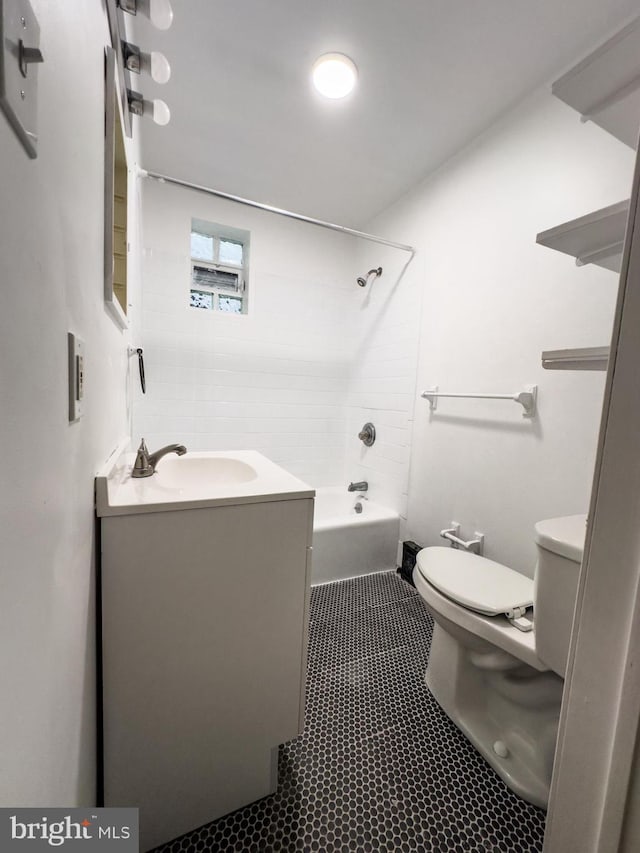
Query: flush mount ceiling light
334	75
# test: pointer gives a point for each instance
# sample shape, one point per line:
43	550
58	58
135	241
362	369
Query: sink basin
200	478
194	471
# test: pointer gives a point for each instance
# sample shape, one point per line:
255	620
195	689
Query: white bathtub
347	543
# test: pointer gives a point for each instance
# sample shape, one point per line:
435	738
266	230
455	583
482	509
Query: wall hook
139	352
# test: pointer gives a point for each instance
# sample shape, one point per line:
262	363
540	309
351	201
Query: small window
230	304
219	266
205	276
201	299
230	252
201	246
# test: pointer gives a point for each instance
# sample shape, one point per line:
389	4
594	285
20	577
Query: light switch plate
76	376
18	92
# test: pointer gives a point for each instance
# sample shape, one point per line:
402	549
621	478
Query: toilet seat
497	630
474	582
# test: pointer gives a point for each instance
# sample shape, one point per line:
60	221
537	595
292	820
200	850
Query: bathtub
347	543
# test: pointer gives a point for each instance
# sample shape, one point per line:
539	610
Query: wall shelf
605	87
582	358
597	238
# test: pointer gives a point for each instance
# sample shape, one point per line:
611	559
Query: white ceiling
433	74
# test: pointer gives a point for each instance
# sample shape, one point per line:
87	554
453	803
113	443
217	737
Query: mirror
115	198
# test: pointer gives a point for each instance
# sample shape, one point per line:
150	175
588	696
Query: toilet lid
475	582
564	536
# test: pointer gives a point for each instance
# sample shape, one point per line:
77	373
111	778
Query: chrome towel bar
526	398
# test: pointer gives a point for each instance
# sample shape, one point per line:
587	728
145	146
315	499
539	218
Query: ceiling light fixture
155	64
159	12
334	75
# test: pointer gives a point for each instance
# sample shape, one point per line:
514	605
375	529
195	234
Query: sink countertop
117	493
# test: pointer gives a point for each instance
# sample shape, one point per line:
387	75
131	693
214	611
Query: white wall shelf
582	358
597	238
605	87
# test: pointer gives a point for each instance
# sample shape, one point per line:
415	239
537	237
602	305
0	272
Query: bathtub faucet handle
358	487
367	434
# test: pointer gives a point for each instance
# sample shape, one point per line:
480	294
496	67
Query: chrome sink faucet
145	464
358	487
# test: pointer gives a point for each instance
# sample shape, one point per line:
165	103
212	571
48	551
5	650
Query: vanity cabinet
204	624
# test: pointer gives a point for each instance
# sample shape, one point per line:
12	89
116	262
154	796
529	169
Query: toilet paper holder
452	534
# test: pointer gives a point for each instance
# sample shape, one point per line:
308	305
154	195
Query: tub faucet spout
358	487
146	463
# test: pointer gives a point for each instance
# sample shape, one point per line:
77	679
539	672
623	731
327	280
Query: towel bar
526	398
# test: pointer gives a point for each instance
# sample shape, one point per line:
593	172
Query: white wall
51	270
274	380
492	301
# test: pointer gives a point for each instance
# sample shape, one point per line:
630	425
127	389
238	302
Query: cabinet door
203	631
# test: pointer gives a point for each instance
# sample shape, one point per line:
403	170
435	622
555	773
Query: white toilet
501	684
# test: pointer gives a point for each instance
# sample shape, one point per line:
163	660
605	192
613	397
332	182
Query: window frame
220	233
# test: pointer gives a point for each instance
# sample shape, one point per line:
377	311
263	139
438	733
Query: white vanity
205	578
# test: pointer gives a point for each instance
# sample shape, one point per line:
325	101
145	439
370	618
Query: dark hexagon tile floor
379	767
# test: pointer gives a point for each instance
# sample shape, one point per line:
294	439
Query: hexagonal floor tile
379	766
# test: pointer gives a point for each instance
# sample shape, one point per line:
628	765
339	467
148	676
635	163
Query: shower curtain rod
279	211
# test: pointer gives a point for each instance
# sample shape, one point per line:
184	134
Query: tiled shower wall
274	380
383	370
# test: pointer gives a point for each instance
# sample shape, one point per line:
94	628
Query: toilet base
507	709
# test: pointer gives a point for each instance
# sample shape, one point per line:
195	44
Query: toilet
496	674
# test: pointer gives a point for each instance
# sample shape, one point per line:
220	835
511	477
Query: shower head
363	282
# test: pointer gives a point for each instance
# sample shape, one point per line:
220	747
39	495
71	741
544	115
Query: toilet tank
560	544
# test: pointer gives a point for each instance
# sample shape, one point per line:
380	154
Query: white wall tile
275	379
